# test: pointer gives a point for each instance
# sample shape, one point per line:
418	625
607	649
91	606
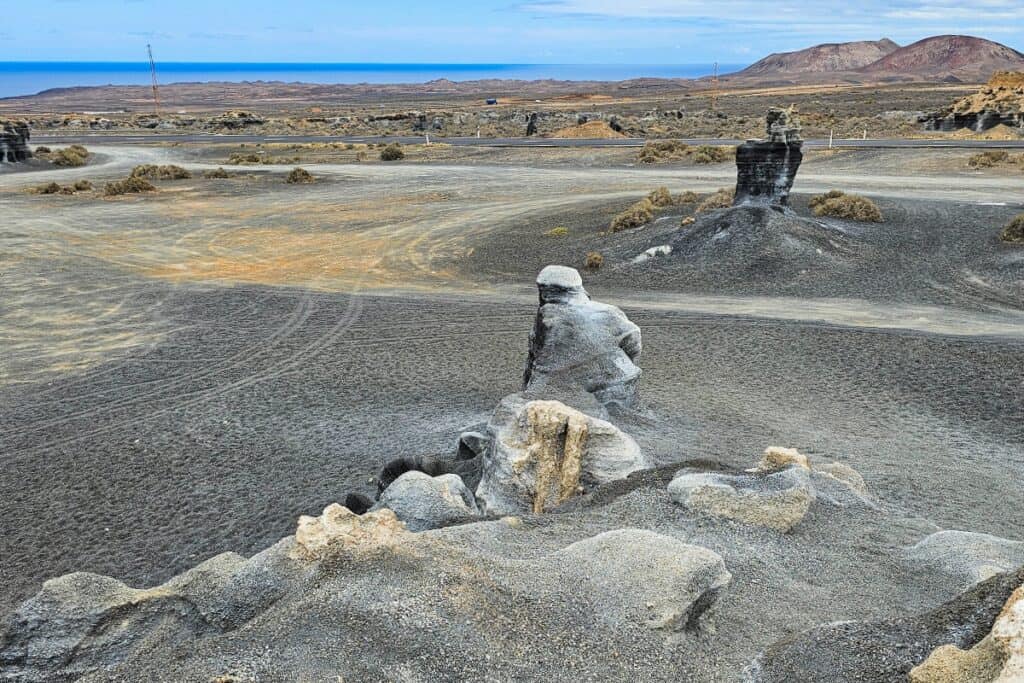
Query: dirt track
189	371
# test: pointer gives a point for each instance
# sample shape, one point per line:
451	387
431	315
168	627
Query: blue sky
517	31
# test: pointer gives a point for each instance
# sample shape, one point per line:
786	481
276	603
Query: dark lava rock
531	125
976	121
766	169
578	344
14	137
883	651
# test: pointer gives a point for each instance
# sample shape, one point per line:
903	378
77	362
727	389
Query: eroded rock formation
423	502
1000	102
766	169
543	452
577	343
966	557
14	137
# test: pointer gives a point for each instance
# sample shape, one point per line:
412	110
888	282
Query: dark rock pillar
14	136
766	169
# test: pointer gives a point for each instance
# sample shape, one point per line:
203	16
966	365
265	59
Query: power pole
714	89
152	72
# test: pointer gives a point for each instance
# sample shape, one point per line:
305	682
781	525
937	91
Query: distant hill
822	58
964	58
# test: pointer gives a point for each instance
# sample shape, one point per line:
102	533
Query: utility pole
714	89
152	73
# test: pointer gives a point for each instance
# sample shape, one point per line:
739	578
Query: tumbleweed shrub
660	197
820	199
82	186
557	231
988	158
48	188
636	215
392	152
710	154
130	185
593	260
849	207
721	199
154	172
1014	231
655	151
238	158
70	157
218	172
43	149
299	175
688	197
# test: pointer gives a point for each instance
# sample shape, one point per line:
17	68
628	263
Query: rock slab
14	137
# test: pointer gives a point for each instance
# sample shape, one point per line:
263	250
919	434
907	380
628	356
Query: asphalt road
507	142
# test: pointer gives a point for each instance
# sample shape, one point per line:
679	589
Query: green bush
636	215
299	175
392	152
130	185
1014	231
722	199
851	207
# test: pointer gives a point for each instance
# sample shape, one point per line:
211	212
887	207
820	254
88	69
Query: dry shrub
661	197
237	158
129	185
721	199
558	231
43	149
988	158
1014	231
82	186
70	157
362	156
593	261
48	188
710	154
687	197
392	152
299	175
154	172
662	150
688	220
218	172
636	215
851	207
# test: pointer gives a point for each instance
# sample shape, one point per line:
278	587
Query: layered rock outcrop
766	169
577	343
999	102
14	137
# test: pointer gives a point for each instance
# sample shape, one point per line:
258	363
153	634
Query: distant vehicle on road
492	100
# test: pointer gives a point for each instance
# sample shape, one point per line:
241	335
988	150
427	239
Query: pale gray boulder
638	576
578	343
424	502
776	500
966	557
544	452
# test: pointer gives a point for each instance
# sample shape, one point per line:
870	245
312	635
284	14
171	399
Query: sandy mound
750	243
589	130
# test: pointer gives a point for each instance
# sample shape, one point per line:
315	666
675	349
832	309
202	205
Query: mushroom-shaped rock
777	500
578	343
645	577
424	502
966	557
544	452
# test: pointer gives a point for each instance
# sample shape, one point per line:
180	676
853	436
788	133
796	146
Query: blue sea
28	78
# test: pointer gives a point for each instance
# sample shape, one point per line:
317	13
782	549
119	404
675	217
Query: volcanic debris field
189	370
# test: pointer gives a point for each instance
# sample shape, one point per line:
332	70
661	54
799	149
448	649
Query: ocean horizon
29	78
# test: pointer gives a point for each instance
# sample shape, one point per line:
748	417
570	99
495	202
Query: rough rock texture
339	527
777	500
464	462
884	651
646	577
766	169
14	137
543	452
424	502
777	458
578	343
966	557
